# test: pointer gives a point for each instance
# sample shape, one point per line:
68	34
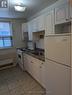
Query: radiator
6	61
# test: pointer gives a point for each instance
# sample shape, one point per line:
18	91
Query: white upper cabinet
70	2
24	27
41	21
30	31
38	24
62	1
49	23
34	25
24	31
62	13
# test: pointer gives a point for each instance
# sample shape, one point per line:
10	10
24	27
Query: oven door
20	60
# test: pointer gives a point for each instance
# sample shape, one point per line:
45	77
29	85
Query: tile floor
15	82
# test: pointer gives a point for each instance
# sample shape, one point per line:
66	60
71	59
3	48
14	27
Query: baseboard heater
6	63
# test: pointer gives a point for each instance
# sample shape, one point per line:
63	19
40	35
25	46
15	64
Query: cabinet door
26	62
49	23
70	3
57	79
42	74
57	48
41	21
39	71
24	31
30	31
36	69
24	27
62	13
35	25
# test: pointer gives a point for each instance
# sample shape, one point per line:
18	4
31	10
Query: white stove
20	56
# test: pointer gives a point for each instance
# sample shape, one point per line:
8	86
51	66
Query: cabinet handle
31	62
42	63
65	39
40	67
67	19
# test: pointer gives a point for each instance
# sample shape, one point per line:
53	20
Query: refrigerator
58	64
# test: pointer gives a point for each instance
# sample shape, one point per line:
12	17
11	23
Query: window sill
6	48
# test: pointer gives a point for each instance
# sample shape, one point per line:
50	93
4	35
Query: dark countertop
30	52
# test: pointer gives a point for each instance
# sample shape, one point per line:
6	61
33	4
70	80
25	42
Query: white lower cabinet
28	63
42	74
57	79
39	71
36	68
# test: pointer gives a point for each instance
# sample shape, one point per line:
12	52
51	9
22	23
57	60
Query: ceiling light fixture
3	4
19	7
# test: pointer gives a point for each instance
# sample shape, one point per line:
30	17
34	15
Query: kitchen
35	57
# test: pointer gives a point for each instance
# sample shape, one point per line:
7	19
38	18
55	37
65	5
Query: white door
57	79
57	48
49	23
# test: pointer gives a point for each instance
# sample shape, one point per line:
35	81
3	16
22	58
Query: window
5	35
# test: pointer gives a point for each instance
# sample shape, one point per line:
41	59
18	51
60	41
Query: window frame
11	36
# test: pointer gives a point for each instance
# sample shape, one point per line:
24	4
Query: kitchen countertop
30	52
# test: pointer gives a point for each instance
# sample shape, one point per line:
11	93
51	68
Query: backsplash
30	45
40	43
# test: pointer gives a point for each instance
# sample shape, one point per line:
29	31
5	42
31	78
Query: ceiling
33	6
